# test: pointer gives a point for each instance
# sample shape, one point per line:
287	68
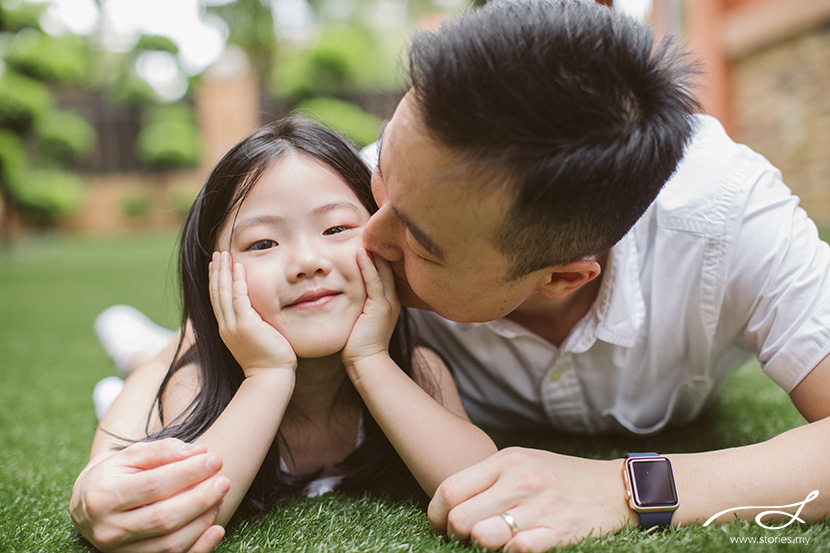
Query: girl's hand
255	344
373	329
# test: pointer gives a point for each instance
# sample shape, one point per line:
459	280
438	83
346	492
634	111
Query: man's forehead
399	131
411	150
414	164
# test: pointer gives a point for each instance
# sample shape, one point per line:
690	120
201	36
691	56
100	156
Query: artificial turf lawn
51	288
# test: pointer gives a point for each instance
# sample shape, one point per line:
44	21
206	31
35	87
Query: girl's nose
307	261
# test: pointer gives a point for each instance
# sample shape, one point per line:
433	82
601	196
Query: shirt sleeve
369	155
778	279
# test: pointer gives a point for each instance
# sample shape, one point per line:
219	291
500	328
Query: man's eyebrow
422	237
380	143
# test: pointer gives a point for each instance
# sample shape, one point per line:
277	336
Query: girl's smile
297	234
313	299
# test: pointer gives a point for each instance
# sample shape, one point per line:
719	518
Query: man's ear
558	282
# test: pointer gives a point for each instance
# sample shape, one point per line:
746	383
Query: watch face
652	482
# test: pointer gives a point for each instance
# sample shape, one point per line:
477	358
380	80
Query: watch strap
650	519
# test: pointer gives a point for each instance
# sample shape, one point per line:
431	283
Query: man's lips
313	299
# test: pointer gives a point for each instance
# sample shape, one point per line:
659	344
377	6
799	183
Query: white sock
124	331
105	392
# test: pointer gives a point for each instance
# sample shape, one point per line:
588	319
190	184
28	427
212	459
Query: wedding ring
511	522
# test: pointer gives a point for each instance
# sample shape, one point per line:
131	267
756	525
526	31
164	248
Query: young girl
301	375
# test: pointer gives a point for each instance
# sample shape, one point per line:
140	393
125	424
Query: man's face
436	228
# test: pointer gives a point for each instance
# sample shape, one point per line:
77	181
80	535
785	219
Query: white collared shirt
723	267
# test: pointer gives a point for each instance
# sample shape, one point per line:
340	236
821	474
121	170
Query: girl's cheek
255	291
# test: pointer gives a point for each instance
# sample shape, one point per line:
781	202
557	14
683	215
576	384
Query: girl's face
297	235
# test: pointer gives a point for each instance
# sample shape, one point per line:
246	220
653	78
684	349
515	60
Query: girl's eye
262	245
336	230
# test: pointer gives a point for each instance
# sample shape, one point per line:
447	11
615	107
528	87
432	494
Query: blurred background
112	112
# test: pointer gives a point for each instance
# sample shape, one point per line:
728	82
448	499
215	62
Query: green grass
51	288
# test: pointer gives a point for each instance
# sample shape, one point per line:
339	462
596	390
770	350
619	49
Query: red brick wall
781	107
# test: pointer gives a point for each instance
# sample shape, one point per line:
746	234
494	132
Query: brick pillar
698	23
705	24
228	105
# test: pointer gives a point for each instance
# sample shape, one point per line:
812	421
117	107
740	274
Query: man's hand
153	496
550	500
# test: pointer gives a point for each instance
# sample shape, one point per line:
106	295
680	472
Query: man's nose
382	235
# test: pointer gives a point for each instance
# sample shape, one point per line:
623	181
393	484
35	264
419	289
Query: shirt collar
619	312
503	327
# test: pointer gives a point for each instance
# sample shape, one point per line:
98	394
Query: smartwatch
650	489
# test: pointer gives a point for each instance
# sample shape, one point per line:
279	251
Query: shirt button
555	374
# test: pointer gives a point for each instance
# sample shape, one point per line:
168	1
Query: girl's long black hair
374	466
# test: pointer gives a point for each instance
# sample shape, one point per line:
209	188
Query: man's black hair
568	104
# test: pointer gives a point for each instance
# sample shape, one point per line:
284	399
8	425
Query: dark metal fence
117	125
116	130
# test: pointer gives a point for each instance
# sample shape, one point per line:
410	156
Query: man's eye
262	245
416	254
336	230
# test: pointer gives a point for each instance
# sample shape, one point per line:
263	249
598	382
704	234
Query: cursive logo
772	511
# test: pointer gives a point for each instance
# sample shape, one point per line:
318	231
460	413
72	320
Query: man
516	183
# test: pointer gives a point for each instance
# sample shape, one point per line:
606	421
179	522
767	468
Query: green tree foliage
12	159
48	194
128	88
22	100
156	43
344	58
251	27
20	17
116	72
170	138
341	60
64	136
63	60
36	139
344	117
